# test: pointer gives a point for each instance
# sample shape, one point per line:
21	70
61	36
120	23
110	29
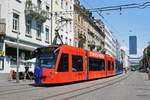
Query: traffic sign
1	52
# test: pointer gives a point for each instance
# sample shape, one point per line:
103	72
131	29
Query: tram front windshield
47	59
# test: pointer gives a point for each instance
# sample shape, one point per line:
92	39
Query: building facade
118	50
109	43
112	46
26	26
87	34
125	57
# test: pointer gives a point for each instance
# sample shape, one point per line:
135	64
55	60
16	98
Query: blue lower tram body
37	75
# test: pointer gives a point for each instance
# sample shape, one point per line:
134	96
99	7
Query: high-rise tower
132	45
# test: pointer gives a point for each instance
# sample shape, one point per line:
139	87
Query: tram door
63	69
112	67
108	62
77	67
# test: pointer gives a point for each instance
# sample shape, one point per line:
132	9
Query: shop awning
21	45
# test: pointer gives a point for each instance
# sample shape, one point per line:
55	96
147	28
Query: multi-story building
102	35
118	50
62	20
108	42
112	46
80	26
26	25
125	57
114	53
132	45
87	34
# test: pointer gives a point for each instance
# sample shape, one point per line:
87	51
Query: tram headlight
42	77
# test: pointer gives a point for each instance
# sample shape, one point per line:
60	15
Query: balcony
2	29
82	38
91	44
91	33
35	13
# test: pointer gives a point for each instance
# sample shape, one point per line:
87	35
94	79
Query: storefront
1	57
1	63
8	56
11	54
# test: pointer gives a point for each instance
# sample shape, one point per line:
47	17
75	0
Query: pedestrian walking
26	74
125	70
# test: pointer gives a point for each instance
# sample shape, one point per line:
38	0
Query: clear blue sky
132	21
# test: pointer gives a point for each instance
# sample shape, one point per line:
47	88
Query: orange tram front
62	64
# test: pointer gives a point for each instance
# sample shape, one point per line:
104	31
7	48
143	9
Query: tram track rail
95	89
29	88
116	80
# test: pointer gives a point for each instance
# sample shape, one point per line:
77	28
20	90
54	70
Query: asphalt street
130	86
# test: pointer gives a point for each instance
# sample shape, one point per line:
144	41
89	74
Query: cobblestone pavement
131	86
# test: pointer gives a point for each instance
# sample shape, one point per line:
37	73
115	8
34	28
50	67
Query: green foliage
40	19
148	51
82	38
28	3
40	16
146	56
43	13
149	43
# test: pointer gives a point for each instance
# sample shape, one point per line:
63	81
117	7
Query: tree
149	43
146	58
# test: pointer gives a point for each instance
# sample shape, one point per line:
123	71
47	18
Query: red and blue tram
63	64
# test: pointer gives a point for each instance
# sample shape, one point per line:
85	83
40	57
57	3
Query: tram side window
112	65
102	63
63	63
109	66
96	64
77	63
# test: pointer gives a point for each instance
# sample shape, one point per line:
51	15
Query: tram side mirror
55	51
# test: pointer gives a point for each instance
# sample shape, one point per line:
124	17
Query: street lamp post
17	68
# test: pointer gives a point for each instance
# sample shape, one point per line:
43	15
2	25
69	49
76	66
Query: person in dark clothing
26	72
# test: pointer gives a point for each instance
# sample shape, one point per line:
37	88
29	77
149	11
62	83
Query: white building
118	51
109	43
112	46
125	57
62	19
30	20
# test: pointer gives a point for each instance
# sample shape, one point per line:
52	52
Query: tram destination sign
95	54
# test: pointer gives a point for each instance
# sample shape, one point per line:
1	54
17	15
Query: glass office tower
132	45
